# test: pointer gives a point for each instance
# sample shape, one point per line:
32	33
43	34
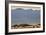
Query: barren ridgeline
21	26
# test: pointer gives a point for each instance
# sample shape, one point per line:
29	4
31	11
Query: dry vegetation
21	26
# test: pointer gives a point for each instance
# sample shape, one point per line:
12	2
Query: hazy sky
25	15
26	8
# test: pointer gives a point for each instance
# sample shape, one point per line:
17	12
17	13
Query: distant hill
19	9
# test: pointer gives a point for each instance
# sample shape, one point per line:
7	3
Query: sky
21	15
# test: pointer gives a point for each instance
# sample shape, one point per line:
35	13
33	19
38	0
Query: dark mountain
19	9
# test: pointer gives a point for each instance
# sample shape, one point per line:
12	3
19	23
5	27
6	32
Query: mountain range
23	16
